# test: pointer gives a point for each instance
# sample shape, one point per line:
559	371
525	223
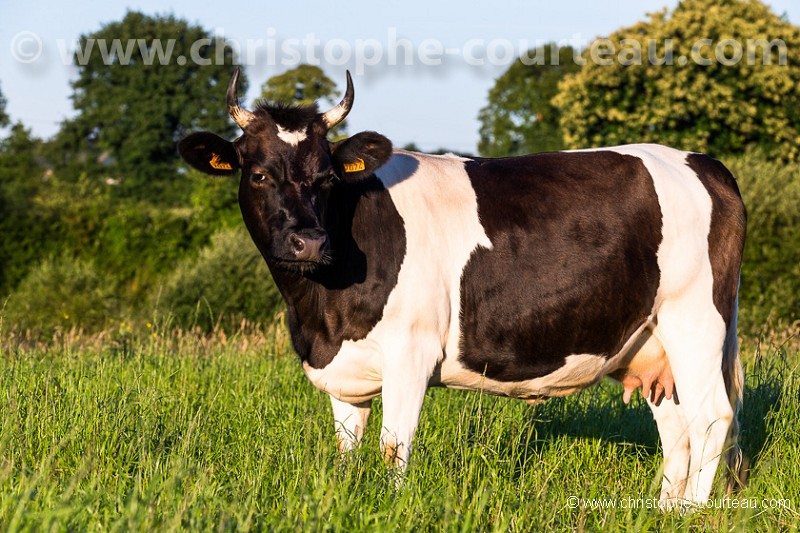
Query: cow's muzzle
310	246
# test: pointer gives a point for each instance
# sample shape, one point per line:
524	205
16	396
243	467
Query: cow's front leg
405	380
401	407
350	420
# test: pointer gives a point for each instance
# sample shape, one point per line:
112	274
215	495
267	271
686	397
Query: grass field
179	433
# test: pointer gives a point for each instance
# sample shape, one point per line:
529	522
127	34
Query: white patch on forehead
292	138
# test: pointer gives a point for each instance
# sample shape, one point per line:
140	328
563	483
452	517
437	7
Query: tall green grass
184	433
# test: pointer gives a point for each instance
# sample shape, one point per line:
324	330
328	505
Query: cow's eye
258	178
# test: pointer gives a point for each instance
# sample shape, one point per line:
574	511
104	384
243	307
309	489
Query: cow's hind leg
693	335
350	421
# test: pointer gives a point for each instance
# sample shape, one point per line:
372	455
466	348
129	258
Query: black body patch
345	299
573	269
727	233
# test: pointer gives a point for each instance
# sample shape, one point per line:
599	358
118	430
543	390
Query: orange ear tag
219	164
355	166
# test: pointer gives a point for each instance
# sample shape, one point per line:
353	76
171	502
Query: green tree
142	84
304	85
519	118
20	172
25	228
720	107
4	120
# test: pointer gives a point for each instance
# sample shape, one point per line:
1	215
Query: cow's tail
734	383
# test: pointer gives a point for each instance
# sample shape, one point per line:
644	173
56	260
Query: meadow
157	430
112	419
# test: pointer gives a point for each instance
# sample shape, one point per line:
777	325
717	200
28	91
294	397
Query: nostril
307	245
298	244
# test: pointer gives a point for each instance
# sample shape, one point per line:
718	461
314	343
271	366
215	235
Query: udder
648	368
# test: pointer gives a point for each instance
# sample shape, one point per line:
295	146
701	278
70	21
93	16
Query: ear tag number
356	166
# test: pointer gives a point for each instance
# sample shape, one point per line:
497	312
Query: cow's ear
209	153
360	156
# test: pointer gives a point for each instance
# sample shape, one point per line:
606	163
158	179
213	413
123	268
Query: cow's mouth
302	266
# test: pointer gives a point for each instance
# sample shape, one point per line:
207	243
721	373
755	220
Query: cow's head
288	169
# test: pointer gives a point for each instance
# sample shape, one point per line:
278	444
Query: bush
720	108
61	293
139	243
770	284
226	283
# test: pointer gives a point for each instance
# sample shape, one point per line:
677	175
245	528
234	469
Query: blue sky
429	104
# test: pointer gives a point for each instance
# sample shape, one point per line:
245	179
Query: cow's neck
343	300
301	293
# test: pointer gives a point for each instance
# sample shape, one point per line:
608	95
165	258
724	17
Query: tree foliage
770	284
304	85
101	224
519	118
4	120
24	226
104	208
720	108
134	104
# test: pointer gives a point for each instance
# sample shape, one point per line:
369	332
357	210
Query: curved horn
337	114
240	115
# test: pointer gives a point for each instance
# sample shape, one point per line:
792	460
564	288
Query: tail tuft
737	463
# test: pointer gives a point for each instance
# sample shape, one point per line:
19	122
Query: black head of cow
288	169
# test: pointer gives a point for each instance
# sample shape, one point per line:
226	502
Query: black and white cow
525	277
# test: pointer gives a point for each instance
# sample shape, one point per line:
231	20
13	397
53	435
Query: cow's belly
641	364
578	372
